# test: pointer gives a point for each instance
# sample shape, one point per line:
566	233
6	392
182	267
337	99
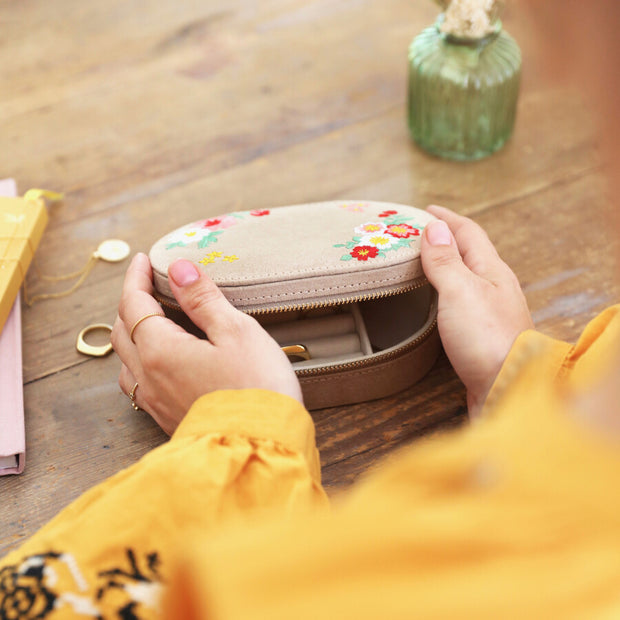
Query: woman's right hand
482	308
173	368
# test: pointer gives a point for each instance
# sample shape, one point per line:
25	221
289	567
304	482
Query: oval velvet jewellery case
339	285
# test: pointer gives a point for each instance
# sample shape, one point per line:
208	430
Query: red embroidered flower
259	212
213	222
402	231
364	252
388	213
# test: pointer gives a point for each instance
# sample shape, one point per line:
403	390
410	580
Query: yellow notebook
22	222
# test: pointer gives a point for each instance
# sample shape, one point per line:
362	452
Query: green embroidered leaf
346	257
381	254
351	244
357	239
209	239
340	245
175	245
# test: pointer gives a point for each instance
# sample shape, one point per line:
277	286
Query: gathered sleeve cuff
529	345
254	414
560	362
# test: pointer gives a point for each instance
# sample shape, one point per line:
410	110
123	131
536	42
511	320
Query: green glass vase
463	92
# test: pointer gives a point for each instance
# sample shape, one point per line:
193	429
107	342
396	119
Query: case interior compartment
353	331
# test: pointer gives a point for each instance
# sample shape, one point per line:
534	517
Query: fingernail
183	272
438	233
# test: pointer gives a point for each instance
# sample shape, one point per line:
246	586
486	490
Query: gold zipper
371	360
420	282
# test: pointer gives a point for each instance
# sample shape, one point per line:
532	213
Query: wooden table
153	114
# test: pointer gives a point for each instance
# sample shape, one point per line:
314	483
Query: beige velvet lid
300	255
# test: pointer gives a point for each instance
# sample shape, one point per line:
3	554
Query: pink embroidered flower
388	213
217	223
402	231
354	207
259	212
370	227
364	252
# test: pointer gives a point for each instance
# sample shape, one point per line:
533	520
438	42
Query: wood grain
149	115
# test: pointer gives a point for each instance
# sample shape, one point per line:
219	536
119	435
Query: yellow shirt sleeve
516	516
237	457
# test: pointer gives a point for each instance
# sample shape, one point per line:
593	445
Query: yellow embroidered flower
378	240
230	258
207	259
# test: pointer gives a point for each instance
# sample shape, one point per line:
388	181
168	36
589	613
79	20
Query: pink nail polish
438	233
183	272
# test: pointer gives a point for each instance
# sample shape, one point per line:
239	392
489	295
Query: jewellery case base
356	316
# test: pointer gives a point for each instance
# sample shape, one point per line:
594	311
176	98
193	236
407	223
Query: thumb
200	298
441	260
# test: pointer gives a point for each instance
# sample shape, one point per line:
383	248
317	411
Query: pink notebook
12	430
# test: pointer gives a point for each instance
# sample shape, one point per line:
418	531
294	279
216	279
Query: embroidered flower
23	592
259	212
184	236
217	223
378	240
402	231
370	227
212	257
136	588
355	207
364	252
201	236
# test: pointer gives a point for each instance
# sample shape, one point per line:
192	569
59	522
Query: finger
202	300
476	249
126	380
129	383
137	301
441	260
125	349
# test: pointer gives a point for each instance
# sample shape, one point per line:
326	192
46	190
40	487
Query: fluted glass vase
463	92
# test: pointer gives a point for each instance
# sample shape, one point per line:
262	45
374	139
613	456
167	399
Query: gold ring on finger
143	318
132	397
